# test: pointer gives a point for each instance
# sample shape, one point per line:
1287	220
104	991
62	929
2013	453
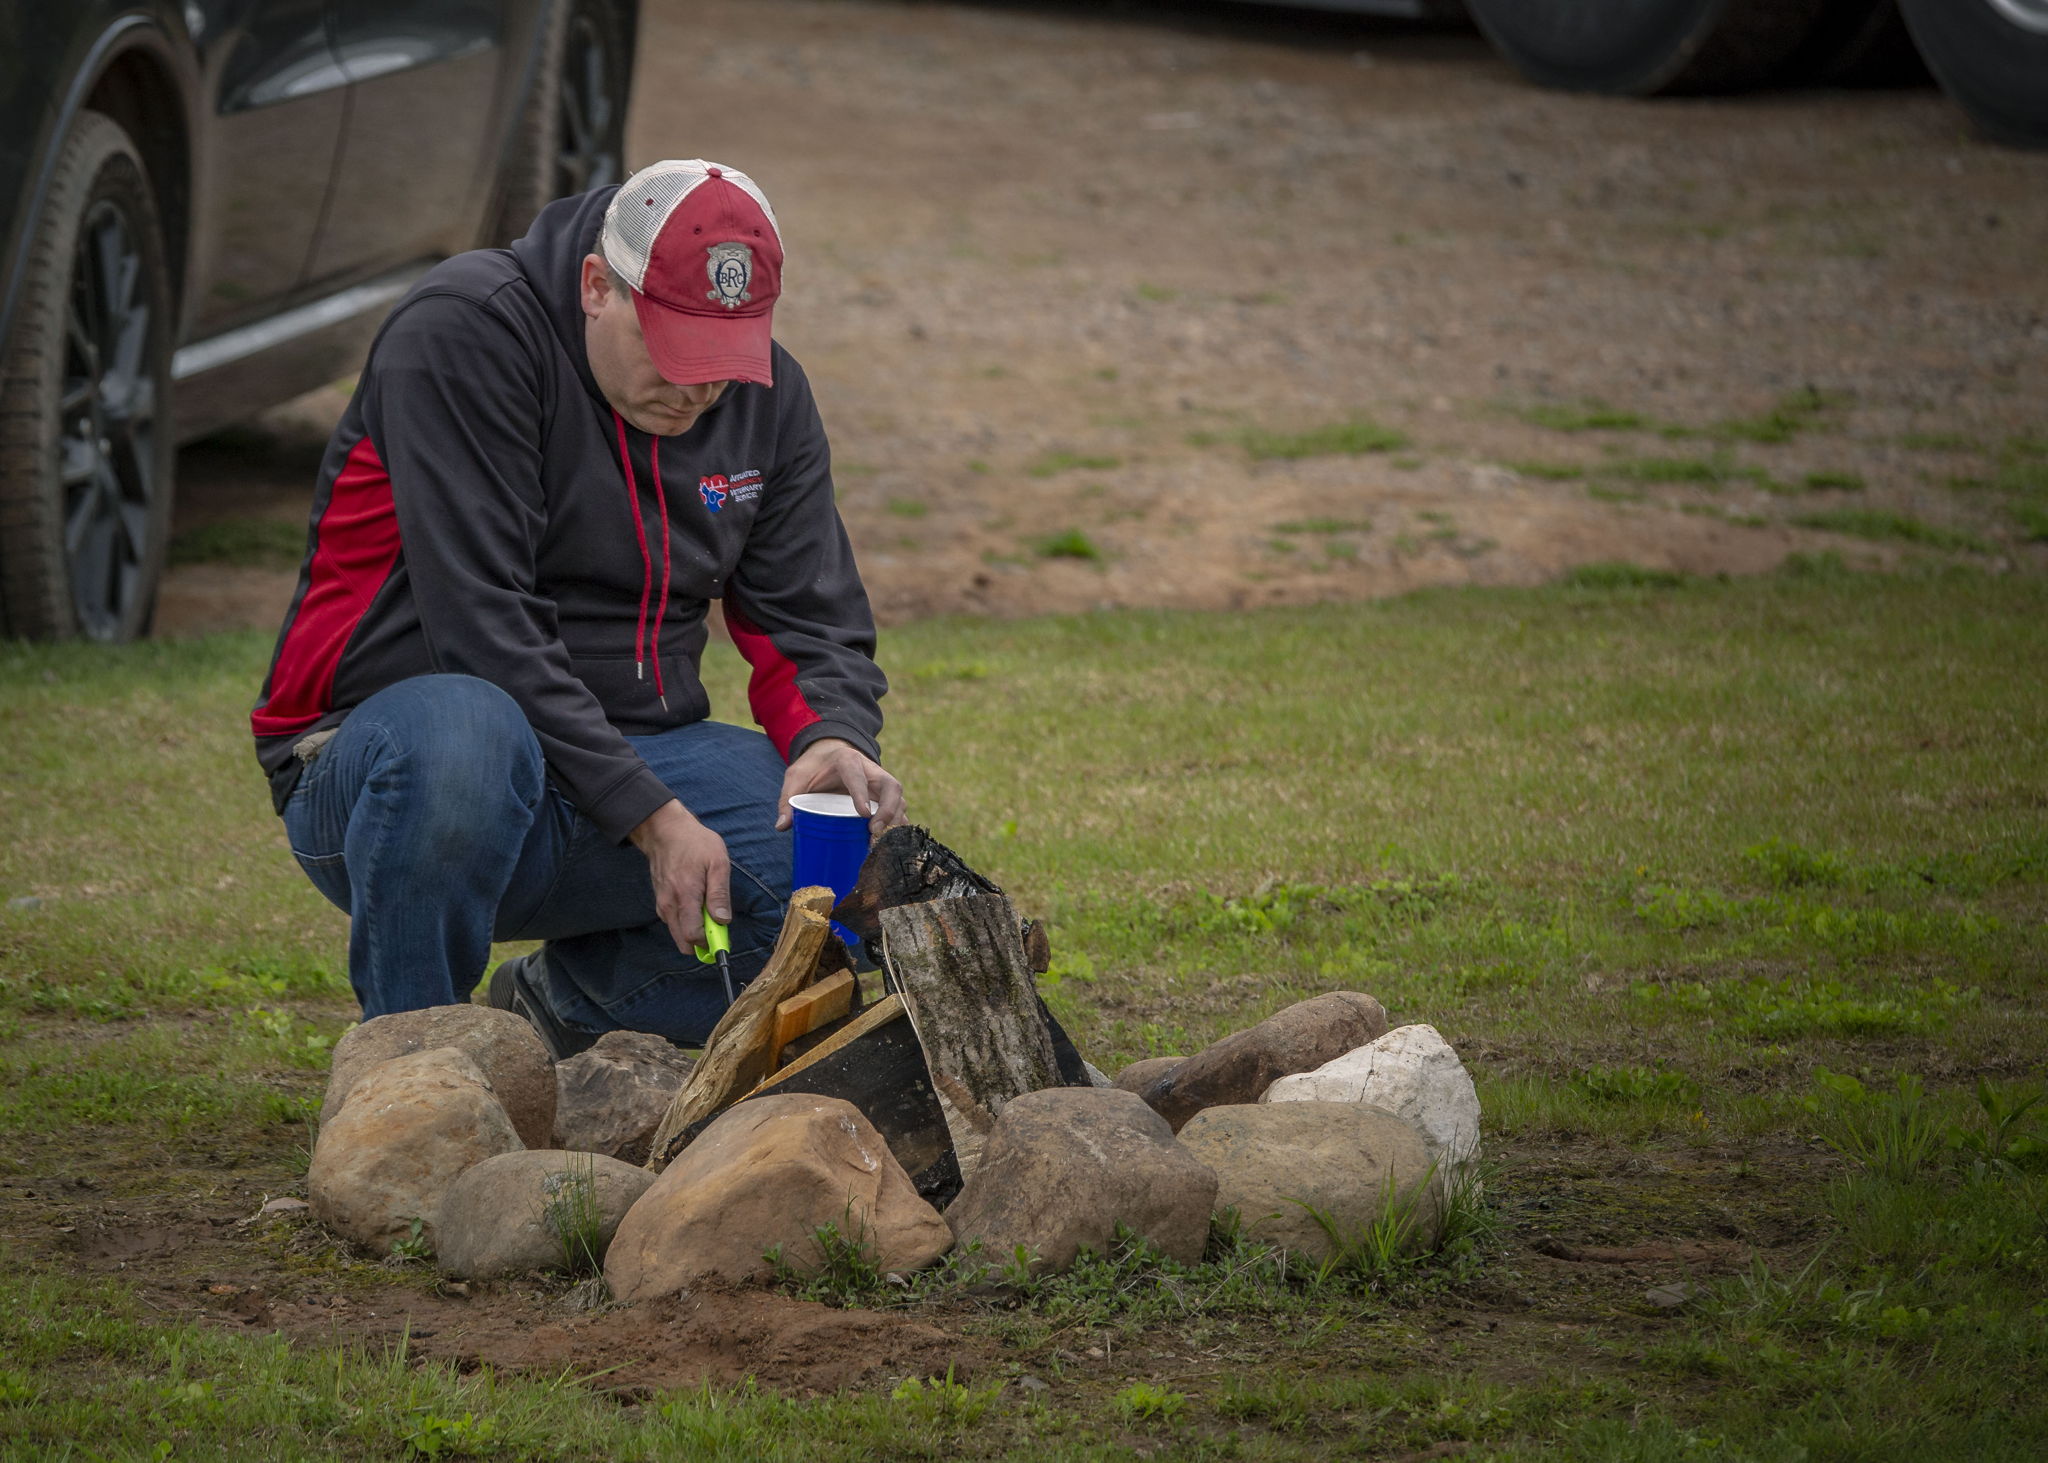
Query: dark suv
211	204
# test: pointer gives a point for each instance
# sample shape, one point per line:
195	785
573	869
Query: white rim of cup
825	804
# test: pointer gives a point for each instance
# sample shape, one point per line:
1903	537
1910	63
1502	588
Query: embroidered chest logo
730	268
741	487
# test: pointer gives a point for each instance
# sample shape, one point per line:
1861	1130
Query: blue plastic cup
831	845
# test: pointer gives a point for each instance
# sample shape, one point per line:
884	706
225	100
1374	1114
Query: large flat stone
769	1173
1064	1166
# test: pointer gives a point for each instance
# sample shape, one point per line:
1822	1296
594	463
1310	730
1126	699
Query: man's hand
832	765
690	871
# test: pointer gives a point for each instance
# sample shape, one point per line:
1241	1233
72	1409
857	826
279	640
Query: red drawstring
660	614
646	562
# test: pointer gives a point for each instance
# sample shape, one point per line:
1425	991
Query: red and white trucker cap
698	244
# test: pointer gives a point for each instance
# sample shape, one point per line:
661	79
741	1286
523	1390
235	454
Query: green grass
254	543
1672	860
1585	416
1069	543
1351	438
1324	525
1556	472
1832	481
1886	526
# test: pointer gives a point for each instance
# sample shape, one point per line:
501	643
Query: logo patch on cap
730	269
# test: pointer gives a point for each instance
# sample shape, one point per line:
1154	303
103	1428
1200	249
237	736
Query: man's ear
596	285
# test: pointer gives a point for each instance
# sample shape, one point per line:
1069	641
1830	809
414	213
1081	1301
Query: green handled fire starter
718	943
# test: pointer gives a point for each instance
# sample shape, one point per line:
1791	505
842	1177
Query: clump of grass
1786	865
1892	1134
1554	472
1351	438
570	1212
1936	442
1143	1402
1324	525
845	1273
1052	464
2033	522
909	507
1601	493
1616	574
1590	415
1827	481
1881	524
1634	1084
1793	414
1705	472
942	1402
242	543
1071	543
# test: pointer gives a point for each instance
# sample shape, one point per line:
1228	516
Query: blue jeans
430	820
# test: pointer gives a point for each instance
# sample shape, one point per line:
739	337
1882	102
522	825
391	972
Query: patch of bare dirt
1048	261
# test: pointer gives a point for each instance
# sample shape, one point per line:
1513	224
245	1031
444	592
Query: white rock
1096	1076
1411	1071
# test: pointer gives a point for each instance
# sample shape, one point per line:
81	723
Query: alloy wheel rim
585	159
106	445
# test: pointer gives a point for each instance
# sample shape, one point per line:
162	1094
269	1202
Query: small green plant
1793	414
942	1401
17	1391
1840	482
1892	1134
1882	525
1634	1084
1375	1252
1586	416
1555	472
415	1248
1997	1140
435	1436
1784	865
2033	522
845	1273
1069	544
1350	438
571	1213
1143	1402
909	507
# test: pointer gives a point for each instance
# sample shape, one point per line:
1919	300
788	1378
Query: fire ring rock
1355	1164
411	1127
1411	1072
1064	1166
502	1044
769	1172
532	1211
1239	1068
611	1098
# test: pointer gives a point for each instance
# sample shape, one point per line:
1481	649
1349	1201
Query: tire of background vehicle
86	446
1643	47
1991	57
572	135
1857	43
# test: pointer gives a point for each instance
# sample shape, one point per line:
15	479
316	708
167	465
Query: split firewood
966	982
906	865
741	1050
825	1001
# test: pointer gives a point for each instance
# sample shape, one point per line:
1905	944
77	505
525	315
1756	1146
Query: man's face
625	372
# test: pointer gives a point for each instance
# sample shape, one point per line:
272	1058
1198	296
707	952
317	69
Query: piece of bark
906	865
739	1054
961	967
824	1000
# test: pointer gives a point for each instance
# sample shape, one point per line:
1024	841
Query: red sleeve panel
355	544
772	692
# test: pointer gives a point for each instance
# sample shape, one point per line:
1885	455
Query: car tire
572	133
1860	43
1991	57
86	446
1643	47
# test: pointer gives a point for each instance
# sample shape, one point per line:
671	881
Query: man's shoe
512	989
